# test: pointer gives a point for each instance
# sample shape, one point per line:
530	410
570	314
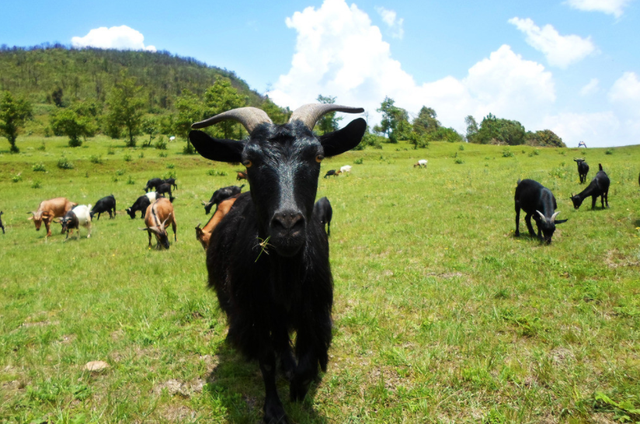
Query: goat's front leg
527	219
312	345
273	410
517	221
282	344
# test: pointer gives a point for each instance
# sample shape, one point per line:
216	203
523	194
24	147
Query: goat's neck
589	191
286	275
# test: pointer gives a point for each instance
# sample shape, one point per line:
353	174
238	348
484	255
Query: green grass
441	315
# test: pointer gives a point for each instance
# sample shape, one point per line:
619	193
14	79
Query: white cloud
121	38
339	52
560	50
610	7
394	23
590	88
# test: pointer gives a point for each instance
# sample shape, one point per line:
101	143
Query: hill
41	73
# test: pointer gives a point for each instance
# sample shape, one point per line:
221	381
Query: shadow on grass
236	385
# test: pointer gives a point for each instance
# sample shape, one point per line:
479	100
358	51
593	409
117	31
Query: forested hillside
50	73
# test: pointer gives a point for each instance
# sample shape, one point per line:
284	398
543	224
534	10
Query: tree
74	122
189	111
150	127
221	97
13	114
472	128
499	131
277	114
544	138
426	121
392	116
126	108
328	123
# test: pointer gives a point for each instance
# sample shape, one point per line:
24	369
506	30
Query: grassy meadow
441	314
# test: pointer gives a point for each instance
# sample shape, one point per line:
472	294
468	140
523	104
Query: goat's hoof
274	414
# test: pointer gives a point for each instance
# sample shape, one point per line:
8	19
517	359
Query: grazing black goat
331	173
106	204
538	202
599	186
1	225
583	170
164	188
172	182
268	259
141	204
221	194
153	183
323	212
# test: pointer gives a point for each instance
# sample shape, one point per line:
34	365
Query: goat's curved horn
309	114
165	221
144	229
249	117
544	218
553	217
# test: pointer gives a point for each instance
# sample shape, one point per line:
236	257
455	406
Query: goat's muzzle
287	231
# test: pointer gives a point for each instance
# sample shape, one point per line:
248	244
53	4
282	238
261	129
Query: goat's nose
287	220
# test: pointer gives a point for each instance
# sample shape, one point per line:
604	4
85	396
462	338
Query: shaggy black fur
531	197
599	186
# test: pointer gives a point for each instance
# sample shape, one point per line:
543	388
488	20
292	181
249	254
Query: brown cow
50	209
157	218
204	234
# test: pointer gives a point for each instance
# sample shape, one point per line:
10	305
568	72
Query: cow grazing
50	209
153	184
1	225
171	182
204	234
78	216
106	204
538	202
268	259
241	175
141	204
583	170
322	211
220	195
158	217
599	186
331	173
422	163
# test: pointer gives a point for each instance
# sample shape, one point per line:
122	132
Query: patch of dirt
615	259
175	387
14	385
178	413
560	355
603	418
211	362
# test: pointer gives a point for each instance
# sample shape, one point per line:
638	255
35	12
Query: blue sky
572	66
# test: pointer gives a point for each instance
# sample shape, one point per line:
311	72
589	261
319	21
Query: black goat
268	259
106	204
583	170
153	183
331	173
164	188
599	186
221	194
172	182
1	225
538	202
322	211
141	204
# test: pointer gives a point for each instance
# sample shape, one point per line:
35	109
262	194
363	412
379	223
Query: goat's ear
560	221
218	149
345	139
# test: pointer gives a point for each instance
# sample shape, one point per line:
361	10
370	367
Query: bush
38	167
130	181
120	172
461	147
506	153
170	174
161	144
163	154
95	159
216	173
128	158
110	151
358	161
42	147
36	184
459	161
141	155
16	178
170	166
189	149
63	163
609	152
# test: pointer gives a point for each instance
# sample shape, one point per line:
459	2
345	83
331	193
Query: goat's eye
247	163
319	158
